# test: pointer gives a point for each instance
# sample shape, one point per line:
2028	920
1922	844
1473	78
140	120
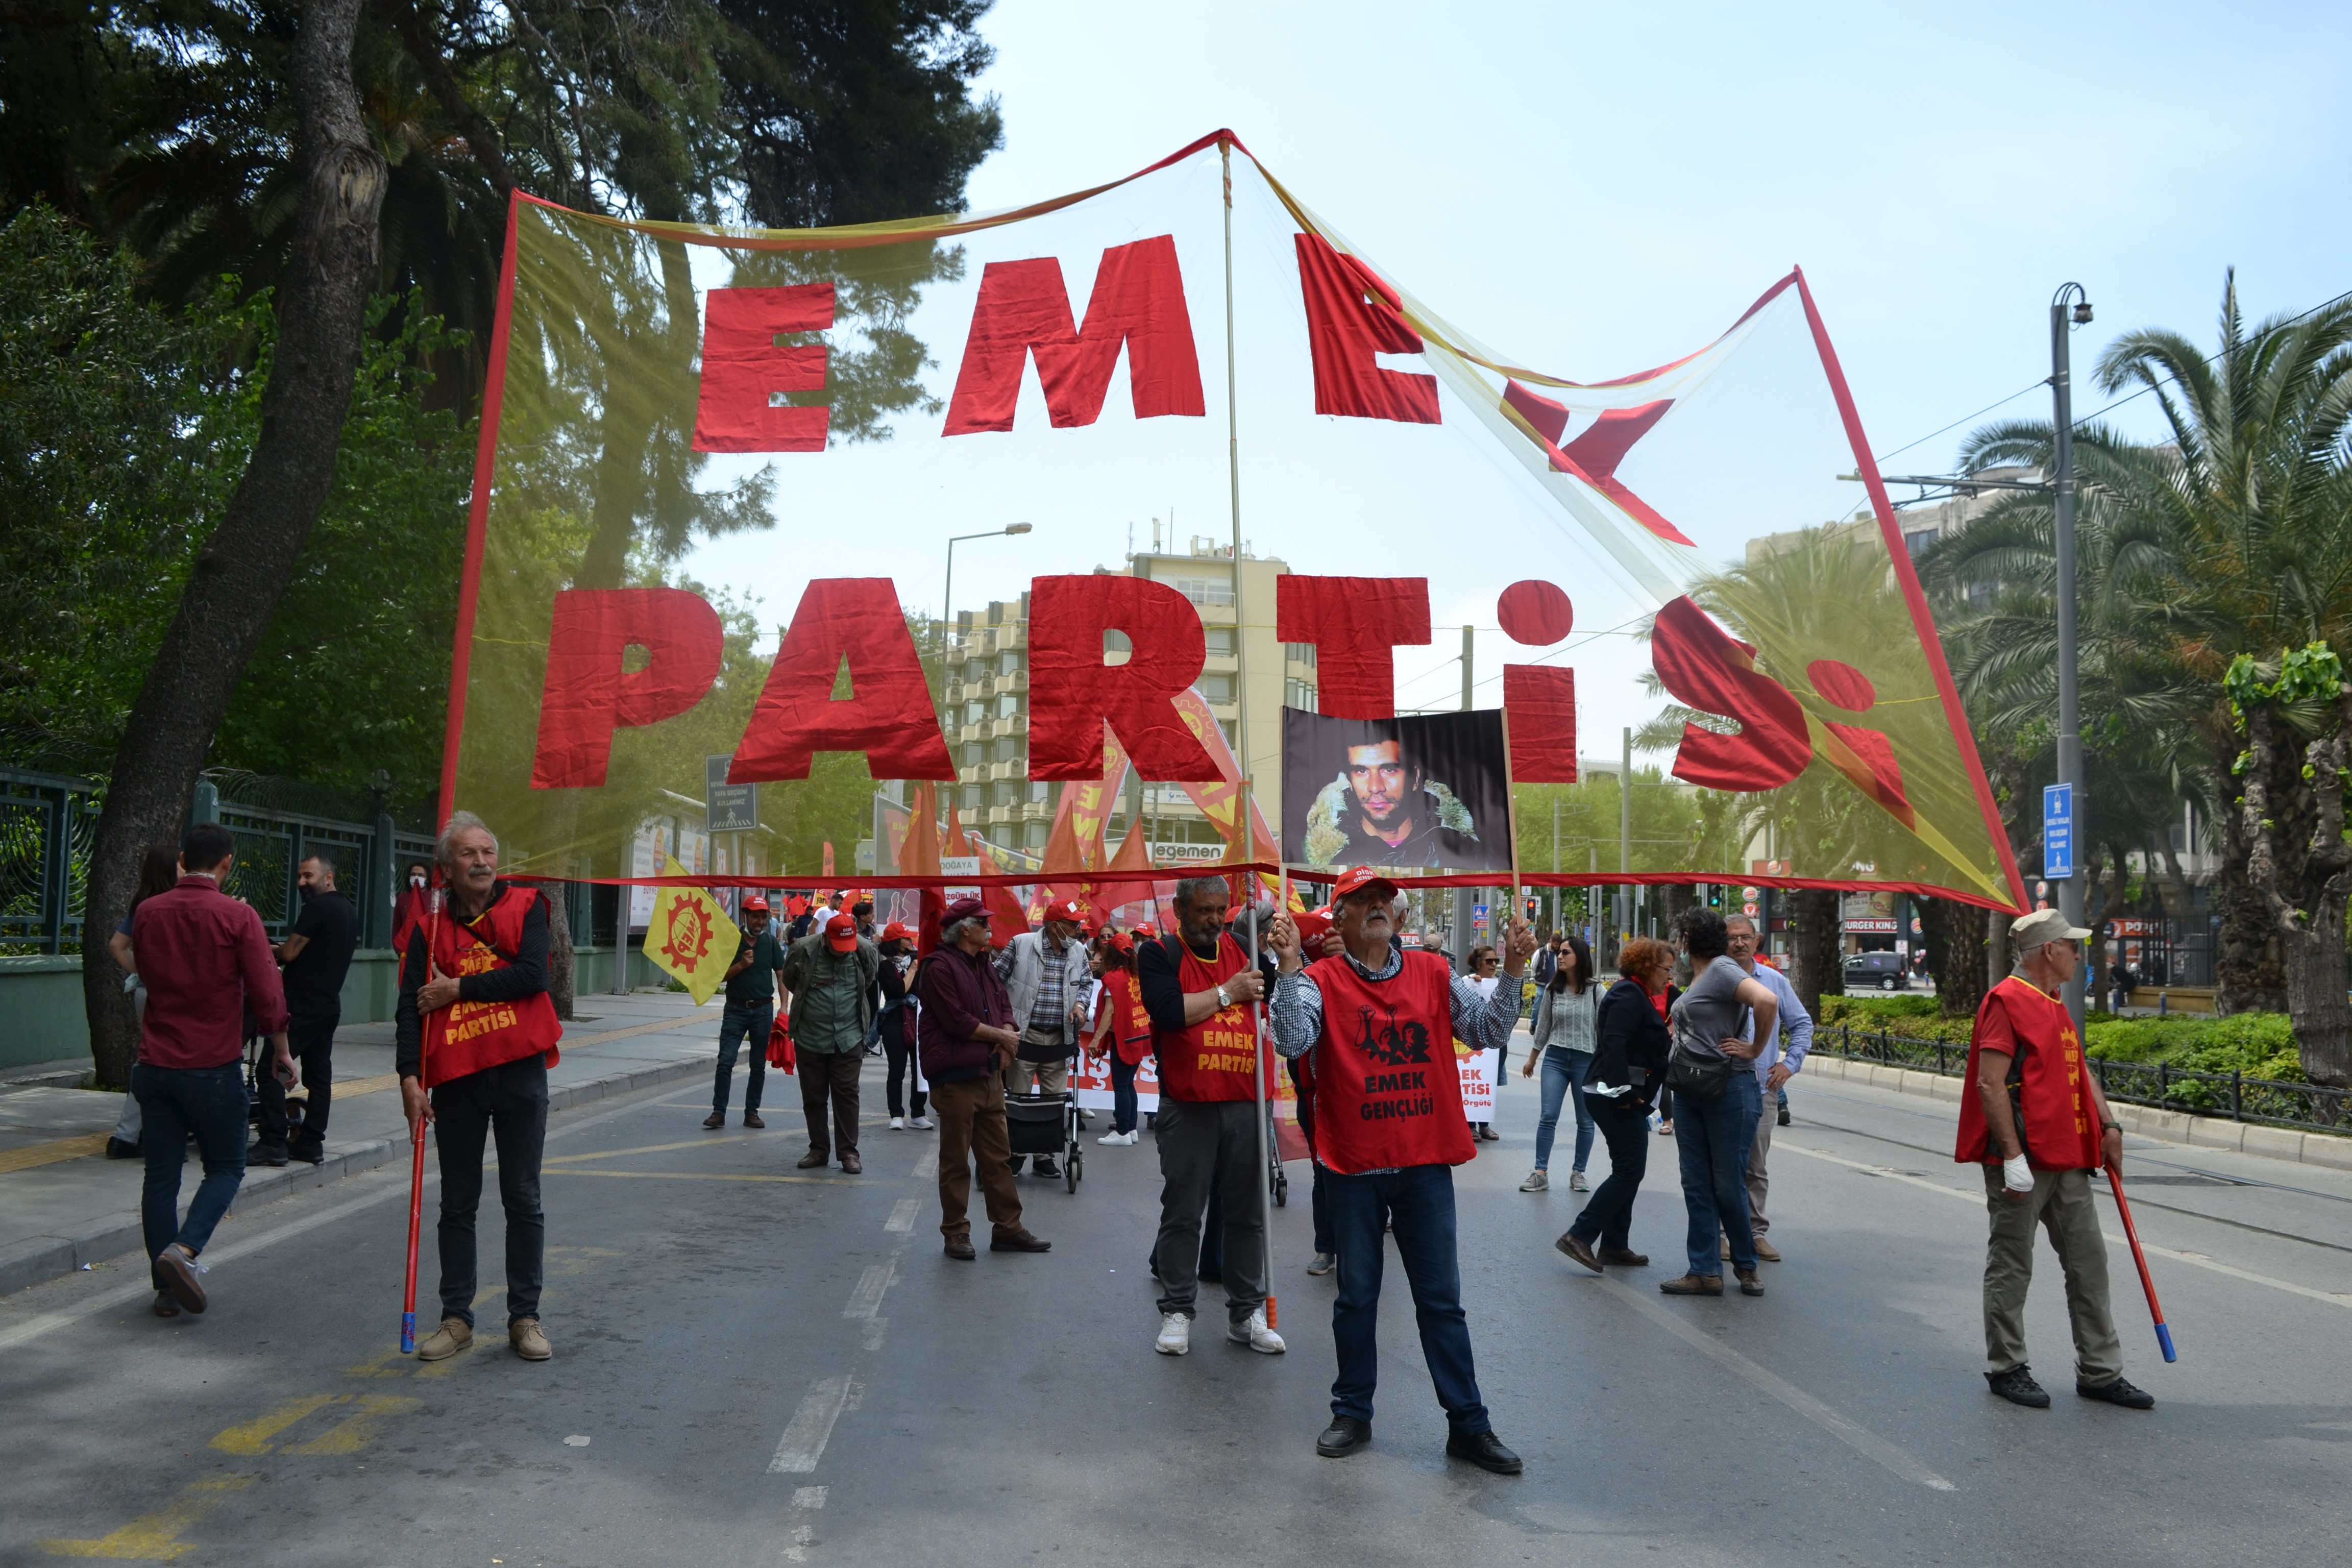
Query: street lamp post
2069	308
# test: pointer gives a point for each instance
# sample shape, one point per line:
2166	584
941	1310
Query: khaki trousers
1758	1181
970	1117
2061	1204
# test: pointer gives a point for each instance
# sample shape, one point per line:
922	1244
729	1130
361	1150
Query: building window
1215	688
1206	589
1299	694
974	797
974	713
1916	542
1227	726
1008	663
1299	653
1221	641
1033	834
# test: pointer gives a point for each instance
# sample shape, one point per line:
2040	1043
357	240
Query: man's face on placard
1383	786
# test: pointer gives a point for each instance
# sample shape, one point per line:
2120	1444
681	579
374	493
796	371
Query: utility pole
1625	831
2069	308
1467	632
1464	897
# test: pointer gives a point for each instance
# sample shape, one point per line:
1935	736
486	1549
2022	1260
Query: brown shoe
752	1119
1576	1248
1694	1285
959	1249
1018	1241
1749	1284
454	1335
815	1157
851	1165
529	1341
1767	1251
1623	1256
183	1276
715	1120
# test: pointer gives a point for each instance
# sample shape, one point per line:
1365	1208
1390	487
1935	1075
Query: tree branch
478	131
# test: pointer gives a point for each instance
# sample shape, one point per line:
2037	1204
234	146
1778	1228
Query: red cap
1357	879
1119	942
755	902
963	908
841	930
898	931
1066	910
1313	925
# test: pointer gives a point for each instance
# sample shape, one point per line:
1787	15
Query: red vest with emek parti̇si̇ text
1210	1060
2059	1131
467	1037
1130	1025
1387	1091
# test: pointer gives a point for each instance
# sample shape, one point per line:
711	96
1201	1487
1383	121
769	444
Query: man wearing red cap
831	974
1389	1127
1046	973
967	1037
1197	986
750	1010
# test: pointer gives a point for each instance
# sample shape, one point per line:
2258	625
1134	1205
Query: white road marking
928	1167
809	1497
1853	1434
804	1441
2115	1238
876	1327
869	1294
902	1214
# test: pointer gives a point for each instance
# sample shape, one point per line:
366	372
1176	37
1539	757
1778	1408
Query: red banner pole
417	1148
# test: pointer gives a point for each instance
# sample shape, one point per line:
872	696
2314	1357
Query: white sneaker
1175	1334
920	1124
1116	1139
1575	1182
1256	1334
1537	1182
898	1124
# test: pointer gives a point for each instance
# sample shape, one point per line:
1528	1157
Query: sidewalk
64	1204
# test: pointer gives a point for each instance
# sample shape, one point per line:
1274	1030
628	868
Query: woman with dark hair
1567	1010
1121	1027
896	1028
1628	1062
1716	1101
159	872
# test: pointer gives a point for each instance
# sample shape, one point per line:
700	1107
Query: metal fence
2309	1107
46	823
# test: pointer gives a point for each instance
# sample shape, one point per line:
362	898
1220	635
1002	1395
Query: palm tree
2233	538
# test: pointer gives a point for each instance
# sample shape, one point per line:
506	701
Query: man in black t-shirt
316	955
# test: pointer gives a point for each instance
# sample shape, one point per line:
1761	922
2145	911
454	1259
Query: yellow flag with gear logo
690	936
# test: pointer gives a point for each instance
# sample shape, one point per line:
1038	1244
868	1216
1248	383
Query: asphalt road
755	1365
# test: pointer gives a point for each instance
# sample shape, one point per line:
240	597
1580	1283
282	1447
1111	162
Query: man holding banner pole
1389	1126
474	1005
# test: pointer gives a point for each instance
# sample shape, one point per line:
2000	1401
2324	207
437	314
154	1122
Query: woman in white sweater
1564	1010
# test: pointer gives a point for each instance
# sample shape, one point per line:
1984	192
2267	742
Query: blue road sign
731	808
2058	830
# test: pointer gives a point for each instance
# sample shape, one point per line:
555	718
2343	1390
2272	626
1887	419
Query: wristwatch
1224	1001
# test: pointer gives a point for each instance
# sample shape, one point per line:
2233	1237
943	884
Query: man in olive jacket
831	974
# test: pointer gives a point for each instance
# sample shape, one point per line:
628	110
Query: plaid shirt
1050	1014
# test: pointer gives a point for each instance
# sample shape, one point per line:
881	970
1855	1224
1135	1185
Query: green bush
2260	1045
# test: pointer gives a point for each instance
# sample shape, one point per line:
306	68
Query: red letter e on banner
1072	694
744	370
588	694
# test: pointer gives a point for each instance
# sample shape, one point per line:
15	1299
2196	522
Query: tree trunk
1816	968
1996	948
2292	811
243	569
1955	936
2315	1001
559	950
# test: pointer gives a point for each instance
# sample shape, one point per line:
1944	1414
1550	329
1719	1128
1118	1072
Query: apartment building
986	704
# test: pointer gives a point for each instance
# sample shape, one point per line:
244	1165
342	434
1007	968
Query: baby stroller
1047	1124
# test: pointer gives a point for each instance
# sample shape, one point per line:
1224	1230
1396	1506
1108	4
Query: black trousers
903	1068
829	1078
509	1102
1608	1213
312	1041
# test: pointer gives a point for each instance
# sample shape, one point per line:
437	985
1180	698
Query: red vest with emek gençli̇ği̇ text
2058	1127
467	1037
1387	1091
1210	1060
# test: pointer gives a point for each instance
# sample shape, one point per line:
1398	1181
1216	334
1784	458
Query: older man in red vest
1379	1023
477	1032
2038	1124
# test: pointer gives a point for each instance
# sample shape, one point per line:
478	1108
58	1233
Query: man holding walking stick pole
2039	1125
477	1033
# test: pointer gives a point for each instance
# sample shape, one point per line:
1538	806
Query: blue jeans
1713	1137
739	1023
211	1102
1122	1093
1419	1202
1563	1077
1319	1204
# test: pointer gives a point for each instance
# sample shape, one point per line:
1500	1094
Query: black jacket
1633	1044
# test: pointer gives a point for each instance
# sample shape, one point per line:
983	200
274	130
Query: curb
47	1257
2324	1149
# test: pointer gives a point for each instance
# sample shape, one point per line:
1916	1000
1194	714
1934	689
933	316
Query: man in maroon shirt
967	1037
205	961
